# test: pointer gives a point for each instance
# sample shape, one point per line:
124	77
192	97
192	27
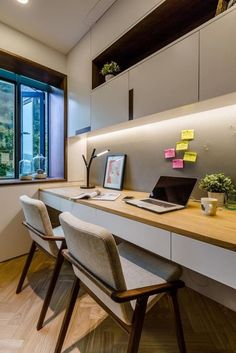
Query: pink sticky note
169	153
177	164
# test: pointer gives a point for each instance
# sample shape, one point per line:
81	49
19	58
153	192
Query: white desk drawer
148	237
210	260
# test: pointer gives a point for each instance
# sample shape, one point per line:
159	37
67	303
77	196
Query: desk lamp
88	165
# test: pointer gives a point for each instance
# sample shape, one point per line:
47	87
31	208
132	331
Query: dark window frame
29	71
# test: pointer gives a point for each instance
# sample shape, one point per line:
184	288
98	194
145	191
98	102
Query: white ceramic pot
108	77
220	196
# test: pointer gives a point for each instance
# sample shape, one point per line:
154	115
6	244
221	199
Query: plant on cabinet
109	70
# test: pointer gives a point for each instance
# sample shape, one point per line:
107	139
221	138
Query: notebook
169	194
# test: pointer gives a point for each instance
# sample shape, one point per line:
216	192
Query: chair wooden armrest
123	296
41	235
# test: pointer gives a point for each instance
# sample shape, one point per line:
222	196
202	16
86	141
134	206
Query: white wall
22	45
14	239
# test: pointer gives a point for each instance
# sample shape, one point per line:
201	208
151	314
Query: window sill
34	181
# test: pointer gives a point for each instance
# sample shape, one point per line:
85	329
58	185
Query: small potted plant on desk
217	185
109	70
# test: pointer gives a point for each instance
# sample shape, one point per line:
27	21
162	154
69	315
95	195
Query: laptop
169	194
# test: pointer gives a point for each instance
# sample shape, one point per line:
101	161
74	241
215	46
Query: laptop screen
173	189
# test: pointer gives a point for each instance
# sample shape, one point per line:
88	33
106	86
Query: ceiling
59	24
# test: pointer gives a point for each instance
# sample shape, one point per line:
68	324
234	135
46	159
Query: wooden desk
204	244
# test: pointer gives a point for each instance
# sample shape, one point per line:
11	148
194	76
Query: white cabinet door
79	86
110	103
167	80
218	57
209	260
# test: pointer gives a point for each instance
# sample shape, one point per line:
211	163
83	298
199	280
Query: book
96	195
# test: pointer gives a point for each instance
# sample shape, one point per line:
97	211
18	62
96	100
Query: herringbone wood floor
208	326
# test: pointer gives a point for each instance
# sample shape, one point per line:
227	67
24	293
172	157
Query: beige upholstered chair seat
123	267
125	280
142	269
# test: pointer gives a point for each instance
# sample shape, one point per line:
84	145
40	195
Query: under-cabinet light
23	1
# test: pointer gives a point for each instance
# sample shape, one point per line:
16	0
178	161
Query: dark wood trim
128	295
169	21
65	88
26	67
137	326
178	322
68	315
131	104
57	269
26	267
9	182
43	236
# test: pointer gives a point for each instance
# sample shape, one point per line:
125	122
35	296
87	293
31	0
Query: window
32	117
7	128
34	123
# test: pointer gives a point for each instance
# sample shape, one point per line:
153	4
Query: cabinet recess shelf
168	22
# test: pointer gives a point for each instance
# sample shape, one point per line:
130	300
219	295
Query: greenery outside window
7	129
29	112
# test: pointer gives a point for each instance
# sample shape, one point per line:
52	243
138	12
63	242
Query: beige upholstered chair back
95	249
36	216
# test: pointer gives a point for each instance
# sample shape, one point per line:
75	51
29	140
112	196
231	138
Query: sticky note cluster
180	148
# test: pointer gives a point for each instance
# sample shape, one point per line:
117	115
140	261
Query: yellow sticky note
190	157
182	146
187	134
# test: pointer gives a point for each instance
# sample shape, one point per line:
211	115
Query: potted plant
109	70
217	186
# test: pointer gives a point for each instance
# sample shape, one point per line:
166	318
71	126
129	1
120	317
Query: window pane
33	123
7	112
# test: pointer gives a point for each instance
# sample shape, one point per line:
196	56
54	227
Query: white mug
209	206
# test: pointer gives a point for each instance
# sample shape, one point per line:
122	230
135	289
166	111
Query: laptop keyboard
159	203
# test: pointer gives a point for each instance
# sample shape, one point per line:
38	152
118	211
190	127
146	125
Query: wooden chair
125	280
46	238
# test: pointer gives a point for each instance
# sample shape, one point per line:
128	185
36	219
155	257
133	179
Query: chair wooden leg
136	330
53	281
26	267
178	323
68	314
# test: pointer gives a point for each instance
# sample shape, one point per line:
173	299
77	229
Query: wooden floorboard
209	327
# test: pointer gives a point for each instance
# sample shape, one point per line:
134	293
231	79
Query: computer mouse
128	198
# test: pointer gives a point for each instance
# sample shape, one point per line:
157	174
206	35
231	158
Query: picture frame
114	171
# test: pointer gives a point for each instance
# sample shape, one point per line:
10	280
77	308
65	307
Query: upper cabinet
109	103
166	80
161	27
121	16
79	87
218	57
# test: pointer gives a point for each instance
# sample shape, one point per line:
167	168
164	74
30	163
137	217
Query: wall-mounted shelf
168	22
